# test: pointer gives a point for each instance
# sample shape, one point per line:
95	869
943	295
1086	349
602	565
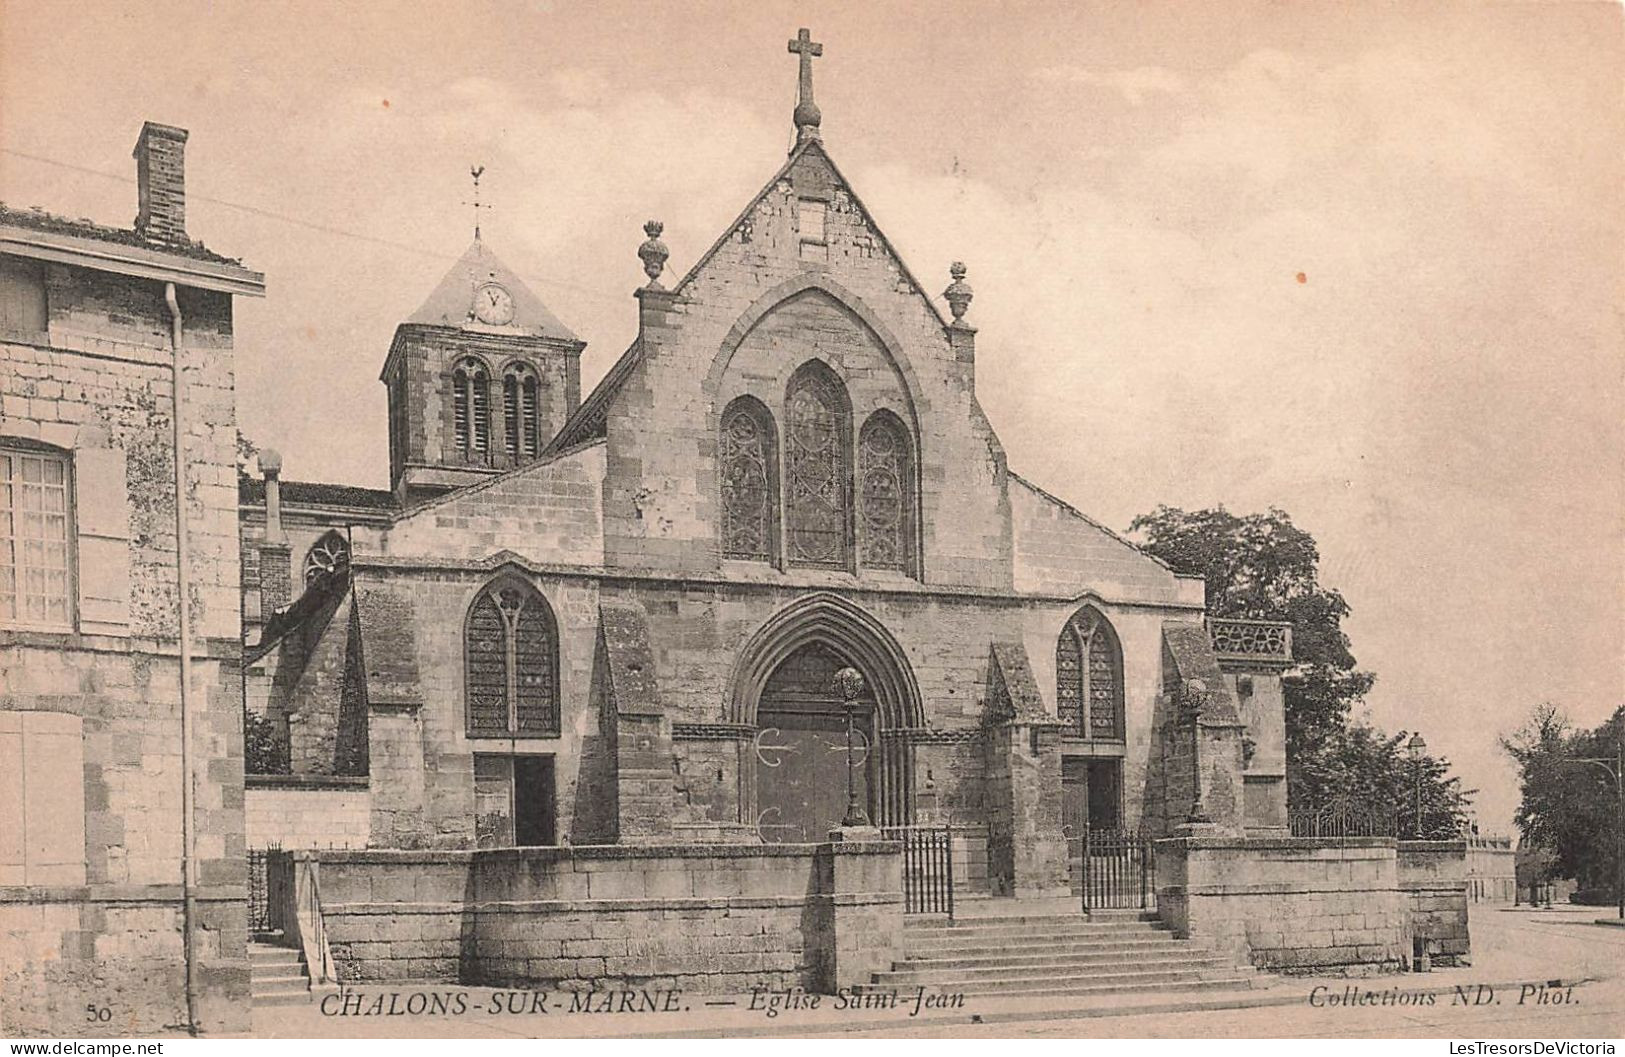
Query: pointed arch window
511	657
886	494
521	417
1089	677
818	468
748	454
328	556
471	412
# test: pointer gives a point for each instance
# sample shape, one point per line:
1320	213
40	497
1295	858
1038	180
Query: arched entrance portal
796	773
800	749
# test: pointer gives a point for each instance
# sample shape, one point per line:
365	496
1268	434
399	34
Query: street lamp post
1615	769
1417	746
849	684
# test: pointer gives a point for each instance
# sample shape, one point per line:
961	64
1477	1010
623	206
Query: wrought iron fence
1339	820
928	868
1119	870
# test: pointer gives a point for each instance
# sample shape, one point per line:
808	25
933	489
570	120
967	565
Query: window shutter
102	520
42	799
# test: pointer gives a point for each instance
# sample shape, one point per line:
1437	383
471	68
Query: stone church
710	680
620	619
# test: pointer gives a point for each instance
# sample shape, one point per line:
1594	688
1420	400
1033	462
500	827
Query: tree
1263	567
1569	807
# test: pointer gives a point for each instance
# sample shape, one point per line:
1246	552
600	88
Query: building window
810	220
327	556
22	296
471	412
42	799
35	583
750	481
521	420
818	463
886	489
511	649
1089	677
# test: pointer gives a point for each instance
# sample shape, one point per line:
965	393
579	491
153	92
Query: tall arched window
521	422
886	494
748	456
1089	677
470	410
511	655
818	468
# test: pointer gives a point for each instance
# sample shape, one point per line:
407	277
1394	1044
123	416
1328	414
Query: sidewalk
1554	949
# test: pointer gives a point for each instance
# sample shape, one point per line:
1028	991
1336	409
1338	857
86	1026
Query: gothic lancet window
748	456
886	492
511	657
1089	677
520	416
471	413
818	460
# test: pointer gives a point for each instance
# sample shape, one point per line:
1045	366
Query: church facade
651	615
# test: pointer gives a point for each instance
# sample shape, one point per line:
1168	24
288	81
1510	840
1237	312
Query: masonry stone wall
290	813
701	917
662	492
1433	874
1299	905
96	386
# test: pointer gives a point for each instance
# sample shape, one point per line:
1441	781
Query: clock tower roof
514	309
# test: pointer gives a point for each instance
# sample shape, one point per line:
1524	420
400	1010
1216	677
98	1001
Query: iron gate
1119	871
269	886
928	868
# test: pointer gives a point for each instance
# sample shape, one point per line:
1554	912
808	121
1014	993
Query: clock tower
479	378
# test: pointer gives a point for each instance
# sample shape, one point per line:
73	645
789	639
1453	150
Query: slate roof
39	220
451	303
251	491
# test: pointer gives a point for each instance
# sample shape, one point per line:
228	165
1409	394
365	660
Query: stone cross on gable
807	116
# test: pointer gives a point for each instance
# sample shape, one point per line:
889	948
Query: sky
1358	261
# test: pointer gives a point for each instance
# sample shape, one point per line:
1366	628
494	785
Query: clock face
493	304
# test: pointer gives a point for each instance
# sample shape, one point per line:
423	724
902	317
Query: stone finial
654	253
271	468
959	293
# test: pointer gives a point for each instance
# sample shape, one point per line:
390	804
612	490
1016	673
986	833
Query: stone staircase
277	975
1018	953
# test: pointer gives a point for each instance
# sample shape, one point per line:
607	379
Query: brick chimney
160	176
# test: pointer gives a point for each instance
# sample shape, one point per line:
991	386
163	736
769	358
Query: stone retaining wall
1433	875
718	917
1306	904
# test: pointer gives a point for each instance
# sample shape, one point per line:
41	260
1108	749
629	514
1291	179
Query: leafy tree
1263	567
1568	807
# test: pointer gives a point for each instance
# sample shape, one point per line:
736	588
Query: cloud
1134	85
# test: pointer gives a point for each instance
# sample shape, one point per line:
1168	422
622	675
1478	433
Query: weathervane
476	171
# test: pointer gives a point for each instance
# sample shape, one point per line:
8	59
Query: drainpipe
183	584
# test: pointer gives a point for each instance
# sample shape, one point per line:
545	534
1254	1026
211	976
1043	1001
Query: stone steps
1172	956
1023	951
277	975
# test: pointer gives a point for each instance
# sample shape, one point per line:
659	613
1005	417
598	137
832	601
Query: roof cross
807	116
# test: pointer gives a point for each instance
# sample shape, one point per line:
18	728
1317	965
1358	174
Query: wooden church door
801	770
